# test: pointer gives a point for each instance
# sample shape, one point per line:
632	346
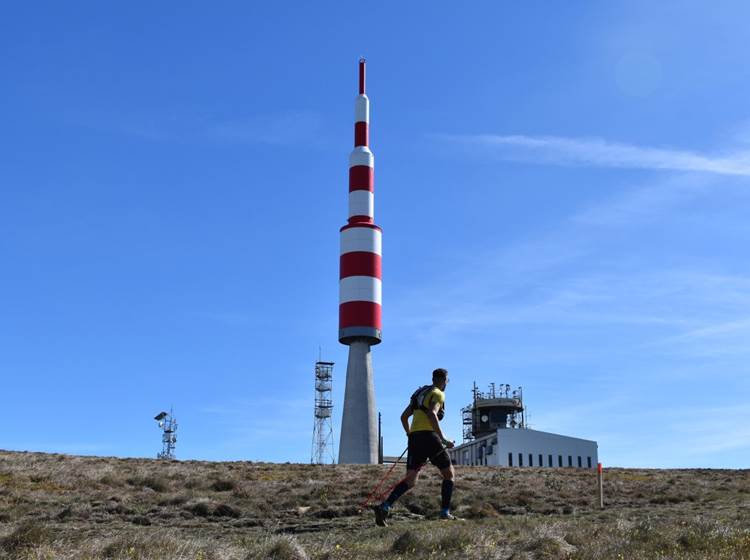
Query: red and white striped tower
360	289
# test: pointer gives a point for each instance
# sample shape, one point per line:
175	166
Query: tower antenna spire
362	62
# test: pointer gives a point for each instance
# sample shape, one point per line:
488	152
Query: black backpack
417	401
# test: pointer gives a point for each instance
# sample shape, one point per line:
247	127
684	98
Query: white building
523	447
496	433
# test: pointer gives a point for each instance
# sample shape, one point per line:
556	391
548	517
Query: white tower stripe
360	288
365	239
361	155
361	203
362	109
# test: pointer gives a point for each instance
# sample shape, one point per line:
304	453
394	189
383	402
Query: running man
426	442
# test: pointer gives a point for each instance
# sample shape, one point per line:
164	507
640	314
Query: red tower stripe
361	134
361	177
360	314
360	220
360	263
371	226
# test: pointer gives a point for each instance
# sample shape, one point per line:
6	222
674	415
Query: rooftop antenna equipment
168	424
322	443
499	407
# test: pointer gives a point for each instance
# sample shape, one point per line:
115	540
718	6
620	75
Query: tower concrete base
359	424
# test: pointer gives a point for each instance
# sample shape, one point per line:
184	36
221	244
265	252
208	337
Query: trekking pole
364	504
388	491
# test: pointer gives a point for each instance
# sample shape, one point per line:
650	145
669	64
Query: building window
541	460
510	459
549	460
570	460
520	459
559	460
588	461
579	462
531	460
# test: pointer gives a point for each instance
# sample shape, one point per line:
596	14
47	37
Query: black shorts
423	447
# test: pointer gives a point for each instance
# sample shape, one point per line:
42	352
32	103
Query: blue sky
563	190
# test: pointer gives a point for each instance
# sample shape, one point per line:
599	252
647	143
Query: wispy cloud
602	153
569	281
683	312
649	201
560	294
719	329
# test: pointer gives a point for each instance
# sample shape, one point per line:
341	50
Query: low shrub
109	480
174	500
548	548
223	485
279	548
27	535
407	542
151	547
456	541
192	483
224	510
201	509
157	484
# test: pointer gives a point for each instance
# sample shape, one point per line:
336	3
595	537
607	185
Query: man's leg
402	488
446	491
382	510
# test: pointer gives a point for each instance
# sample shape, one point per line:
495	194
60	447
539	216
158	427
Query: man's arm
405	418
432	415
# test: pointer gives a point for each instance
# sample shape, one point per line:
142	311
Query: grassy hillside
65	507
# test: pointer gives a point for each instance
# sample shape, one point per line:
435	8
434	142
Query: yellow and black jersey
420	422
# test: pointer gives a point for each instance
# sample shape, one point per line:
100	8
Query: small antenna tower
322	443
168	424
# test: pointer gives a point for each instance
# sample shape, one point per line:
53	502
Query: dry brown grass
63	507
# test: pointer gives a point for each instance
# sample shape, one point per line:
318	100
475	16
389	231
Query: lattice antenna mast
322	443
168	424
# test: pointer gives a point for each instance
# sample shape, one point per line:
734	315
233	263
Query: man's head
440	378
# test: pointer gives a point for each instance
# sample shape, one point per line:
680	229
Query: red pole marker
599	476
363	505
